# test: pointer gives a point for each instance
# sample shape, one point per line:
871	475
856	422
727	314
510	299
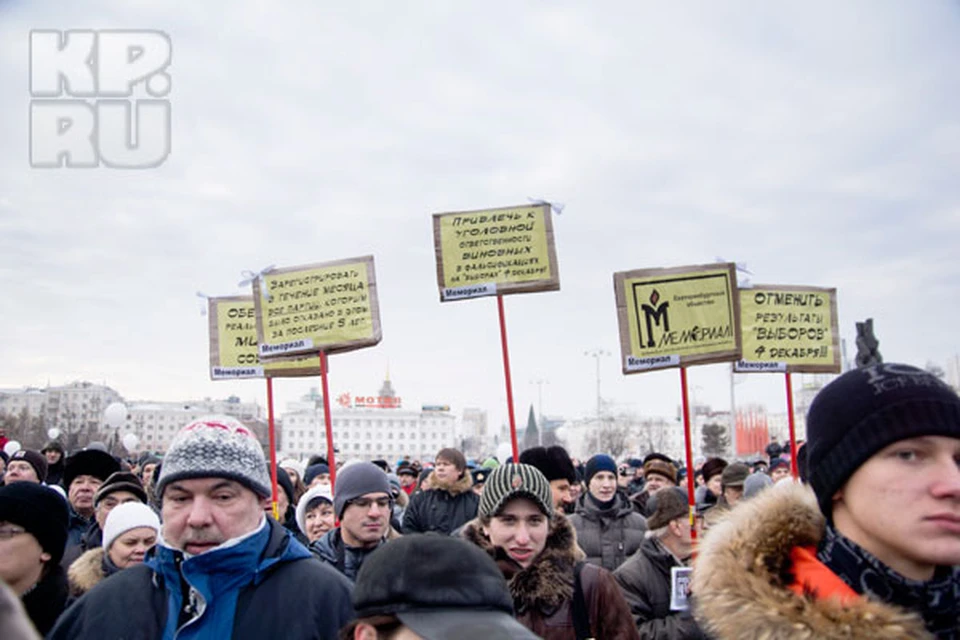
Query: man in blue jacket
221	569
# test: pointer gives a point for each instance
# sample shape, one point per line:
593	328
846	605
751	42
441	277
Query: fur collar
548	582
86	572
743	568
462	485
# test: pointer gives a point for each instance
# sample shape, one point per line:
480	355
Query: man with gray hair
646	578
221	568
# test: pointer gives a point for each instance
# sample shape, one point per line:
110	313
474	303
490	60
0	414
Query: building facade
367	428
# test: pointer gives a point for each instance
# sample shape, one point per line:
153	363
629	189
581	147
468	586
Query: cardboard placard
789	329
680	588
495	251
330	306
677	316
233	344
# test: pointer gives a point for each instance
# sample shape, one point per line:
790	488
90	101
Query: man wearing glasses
363	504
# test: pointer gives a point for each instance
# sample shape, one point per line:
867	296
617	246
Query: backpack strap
581	616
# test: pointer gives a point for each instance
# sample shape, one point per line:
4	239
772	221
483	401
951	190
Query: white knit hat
319	491
127	516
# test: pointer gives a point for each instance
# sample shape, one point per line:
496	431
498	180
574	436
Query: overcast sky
817	142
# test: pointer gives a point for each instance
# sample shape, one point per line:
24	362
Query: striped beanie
216	447
510	481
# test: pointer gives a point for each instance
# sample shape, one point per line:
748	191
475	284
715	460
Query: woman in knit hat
609	530
871	549
130	531
555	593
315	512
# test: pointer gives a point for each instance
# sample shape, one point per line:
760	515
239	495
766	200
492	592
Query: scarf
936	600
204	588
603	507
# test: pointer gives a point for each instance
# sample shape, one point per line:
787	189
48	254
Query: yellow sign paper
483	253
789	329
678	316
233	345
328	307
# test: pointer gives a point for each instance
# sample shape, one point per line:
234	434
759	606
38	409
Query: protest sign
789	329
329	307
233	344
678	316
495	251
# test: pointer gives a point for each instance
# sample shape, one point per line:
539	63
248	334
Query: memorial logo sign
329	307
497	251
789	329
677	316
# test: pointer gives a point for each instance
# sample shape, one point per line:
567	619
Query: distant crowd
863	541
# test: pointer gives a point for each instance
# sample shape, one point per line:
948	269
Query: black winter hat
420	579
712	467
34	459
553	462
89	462
865	410
285	484
41	511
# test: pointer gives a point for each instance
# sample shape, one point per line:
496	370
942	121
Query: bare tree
610	438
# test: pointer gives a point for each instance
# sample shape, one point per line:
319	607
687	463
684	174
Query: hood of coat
546	583
743	568
86	572
462	485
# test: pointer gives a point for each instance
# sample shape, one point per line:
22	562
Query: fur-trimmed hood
462	485
86	572
546	583
743	569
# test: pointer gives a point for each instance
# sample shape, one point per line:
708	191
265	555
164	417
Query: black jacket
608	536
92	538
298	599
46	601
645	582
441	509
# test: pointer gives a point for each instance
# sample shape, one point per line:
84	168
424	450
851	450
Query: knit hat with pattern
510	481
216	447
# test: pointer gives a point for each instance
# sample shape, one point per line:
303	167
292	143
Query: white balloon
115	415
53	433
504	451
130	441
11	447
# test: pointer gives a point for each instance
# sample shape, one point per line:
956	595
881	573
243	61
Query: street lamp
596	354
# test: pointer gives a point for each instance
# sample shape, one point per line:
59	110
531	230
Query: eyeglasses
10	532
364	503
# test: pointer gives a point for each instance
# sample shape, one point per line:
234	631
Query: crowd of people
865	543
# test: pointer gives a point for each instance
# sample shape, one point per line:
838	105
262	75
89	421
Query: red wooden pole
271	429
506	375
794	467
331	460
691	496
